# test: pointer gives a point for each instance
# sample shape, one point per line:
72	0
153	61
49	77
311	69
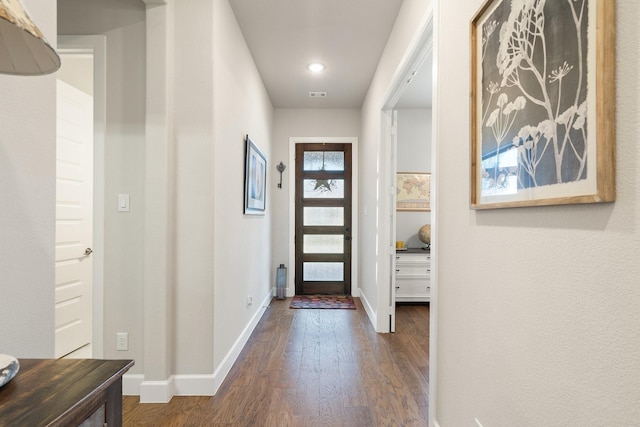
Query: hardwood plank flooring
313	368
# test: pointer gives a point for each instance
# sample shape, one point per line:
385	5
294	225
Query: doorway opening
408	119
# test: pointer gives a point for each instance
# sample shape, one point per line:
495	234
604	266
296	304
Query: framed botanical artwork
413	191
255	180
542	103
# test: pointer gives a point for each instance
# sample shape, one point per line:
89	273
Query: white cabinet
413	271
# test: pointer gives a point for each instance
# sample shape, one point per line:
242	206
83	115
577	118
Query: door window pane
324	188
323	244
323	271
323	216
323	161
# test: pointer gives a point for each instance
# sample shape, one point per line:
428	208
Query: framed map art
413	191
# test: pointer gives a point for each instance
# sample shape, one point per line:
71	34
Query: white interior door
74	214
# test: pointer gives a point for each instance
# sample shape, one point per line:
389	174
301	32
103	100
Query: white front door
74	214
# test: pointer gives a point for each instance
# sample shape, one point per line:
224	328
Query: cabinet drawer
408	290
412	257
411	287
417	272
412	267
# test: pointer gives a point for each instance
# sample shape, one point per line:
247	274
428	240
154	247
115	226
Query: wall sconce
24	51
281	167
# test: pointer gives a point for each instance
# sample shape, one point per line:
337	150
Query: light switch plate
123	203
122	341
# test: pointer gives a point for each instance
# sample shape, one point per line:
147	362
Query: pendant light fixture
23	49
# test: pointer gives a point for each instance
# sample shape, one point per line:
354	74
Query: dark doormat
323	301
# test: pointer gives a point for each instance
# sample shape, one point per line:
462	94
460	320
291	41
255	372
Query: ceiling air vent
317	94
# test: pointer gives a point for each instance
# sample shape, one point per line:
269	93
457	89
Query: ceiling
417	92
348	36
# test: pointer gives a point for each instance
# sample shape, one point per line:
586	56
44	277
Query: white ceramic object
9	367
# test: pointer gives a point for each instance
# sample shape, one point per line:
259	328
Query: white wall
413	155
375	246
123	24
321	122
538	308
414	140
217	98
195	171
77	70
242	261
27	185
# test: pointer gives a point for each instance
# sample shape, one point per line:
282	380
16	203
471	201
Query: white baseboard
367	307
176	385
131	384
191	385
157	391
194	385
223	369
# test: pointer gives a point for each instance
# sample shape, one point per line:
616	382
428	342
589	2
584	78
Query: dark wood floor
313	368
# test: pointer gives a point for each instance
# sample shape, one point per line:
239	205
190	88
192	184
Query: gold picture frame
542	103
413	191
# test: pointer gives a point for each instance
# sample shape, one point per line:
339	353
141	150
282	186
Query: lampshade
23	49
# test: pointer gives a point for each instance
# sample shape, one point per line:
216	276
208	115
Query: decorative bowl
9	367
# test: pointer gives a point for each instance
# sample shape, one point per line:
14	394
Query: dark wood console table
64	392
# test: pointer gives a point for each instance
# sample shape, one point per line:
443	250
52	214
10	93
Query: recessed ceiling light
316	67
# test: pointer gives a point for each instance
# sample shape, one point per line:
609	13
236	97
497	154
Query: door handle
88	251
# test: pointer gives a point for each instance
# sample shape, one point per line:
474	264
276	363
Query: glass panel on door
323	216
323	271
324	188
323	161
323	244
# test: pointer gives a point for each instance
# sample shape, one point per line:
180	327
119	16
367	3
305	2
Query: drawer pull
397	270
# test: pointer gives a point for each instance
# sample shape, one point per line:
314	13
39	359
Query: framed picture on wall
413	191
542	103
255	179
